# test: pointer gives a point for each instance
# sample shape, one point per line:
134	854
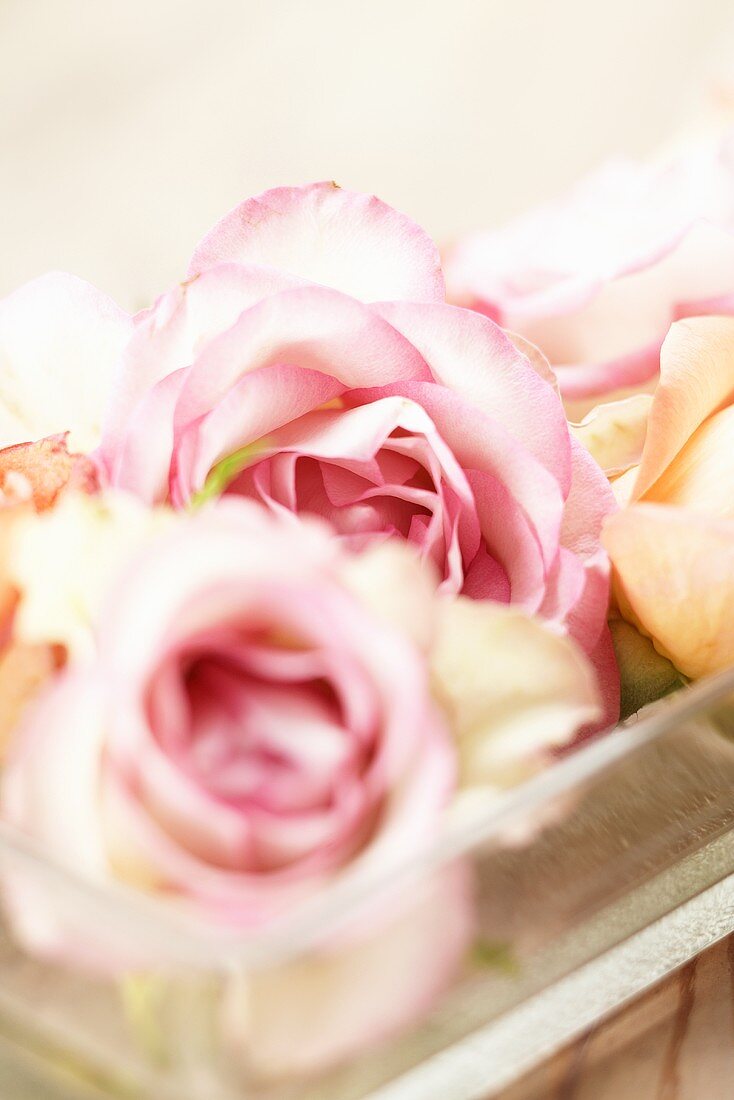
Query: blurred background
128	128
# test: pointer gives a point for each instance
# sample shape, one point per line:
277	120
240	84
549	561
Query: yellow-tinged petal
61	561
674	576
511	687
395	585
623	486
696	379
614	433
701	475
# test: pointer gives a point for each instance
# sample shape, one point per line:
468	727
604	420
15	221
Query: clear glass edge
210	945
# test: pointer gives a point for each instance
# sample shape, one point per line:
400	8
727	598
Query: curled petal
512	687
138	459
482	443
701	476
614	433
475	359
674	578
170	335
311	328
37	472
696	377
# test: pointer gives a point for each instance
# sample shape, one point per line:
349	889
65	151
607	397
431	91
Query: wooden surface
674	1043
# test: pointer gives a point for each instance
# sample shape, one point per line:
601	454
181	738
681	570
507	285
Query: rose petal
293	352
553	260
614	433
313	328
535	357
675	579
701	476
511	540
597	278
36	784
396	585
342	239
61	561
37	472
580	383
60	341
590	501
482	443
604	662
696	377
474	358
512	687
170	335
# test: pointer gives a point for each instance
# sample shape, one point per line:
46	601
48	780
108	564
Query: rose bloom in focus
311	363
672	547
596	278
252	713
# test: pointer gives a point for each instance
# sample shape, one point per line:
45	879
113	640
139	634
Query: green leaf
224	472
645	675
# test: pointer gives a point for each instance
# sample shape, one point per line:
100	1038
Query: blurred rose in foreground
596	278
258	715
311	362
672	547
33	476
60	340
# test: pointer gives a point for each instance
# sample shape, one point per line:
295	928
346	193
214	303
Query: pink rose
246	733
596	278
311	362
252	718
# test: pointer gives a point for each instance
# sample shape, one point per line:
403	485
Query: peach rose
672	547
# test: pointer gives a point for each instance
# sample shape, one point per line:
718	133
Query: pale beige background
128	127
